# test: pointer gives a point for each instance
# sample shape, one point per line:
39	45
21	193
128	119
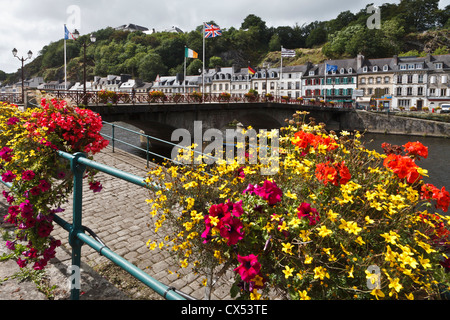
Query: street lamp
30	54
85	44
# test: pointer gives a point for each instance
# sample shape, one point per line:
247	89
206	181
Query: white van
445	108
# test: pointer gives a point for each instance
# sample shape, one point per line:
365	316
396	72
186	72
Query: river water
437	163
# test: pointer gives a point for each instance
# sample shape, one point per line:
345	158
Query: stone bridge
160	120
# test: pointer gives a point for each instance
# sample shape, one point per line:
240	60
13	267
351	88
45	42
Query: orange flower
416	149
337	173
403	167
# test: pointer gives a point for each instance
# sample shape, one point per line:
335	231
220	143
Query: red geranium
336	174
416	149
403	167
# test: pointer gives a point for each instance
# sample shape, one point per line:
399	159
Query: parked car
445	108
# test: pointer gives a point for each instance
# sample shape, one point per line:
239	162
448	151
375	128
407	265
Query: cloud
28	24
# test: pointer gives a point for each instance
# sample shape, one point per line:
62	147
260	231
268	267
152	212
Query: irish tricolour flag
191	53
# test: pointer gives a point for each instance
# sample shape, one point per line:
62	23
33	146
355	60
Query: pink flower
269	191
44	185
95	186
231	229
249	268
6	154
305	211
44	229
12	121
22	263
28	175
8	176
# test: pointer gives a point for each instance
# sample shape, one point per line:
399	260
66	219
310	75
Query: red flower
306	140
403	167
336	174
416	149
249	268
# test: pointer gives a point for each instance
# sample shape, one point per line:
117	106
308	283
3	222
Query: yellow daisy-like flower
323	231
303	295
320	273
288	272
287	247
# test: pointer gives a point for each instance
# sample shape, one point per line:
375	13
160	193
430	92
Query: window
311	73
420	91
350	70
364	69
337	81
369	91
410	78
403	67
418	66
375	68
399	79
363	81
443	92
404	103
409	91
385	67
370	80
399	91
386	91
432	92
438	65
420	78
410	67
342	71
387	79
378	80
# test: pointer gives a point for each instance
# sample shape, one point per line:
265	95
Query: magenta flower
44	185
8	176
28	175
305	211
231	229
6	154
12	121
249	268
95	186
26	209
44	229
22	263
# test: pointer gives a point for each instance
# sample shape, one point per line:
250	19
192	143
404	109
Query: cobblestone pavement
119	215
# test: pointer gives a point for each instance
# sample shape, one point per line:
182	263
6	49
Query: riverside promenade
119	215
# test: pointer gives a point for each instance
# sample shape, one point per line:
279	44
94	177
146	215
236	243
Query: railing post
77	227
113	126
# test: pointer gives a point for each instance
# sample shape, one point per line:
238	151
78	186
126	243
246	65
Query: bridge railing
78	236
126	98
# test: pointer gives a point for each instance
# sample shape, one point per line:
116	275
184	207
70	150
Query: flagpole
204	61
325	90
281	72
65	59
184	78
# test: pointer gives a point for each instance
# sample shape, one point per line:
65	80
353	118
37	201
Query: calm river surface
437	163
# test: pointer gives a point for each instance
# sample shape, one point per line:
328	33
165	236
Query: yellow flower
287	247
255	295
390	237
350	227
359	241
184	263
320	273
425	262
190	202
350	273
377	293
332	215
290	195
288	272
323	231
308	259
258	280
368	220
395	284
303	295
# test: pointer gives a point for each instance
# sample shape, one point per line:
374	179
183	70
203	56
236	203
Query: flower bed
41	182
338	221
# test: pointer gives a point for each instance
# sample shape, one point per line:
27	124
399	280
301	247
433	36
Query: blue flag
329	67
67	34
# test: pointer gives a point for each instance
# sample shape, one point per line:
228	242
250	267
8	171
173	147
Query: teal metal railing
78	237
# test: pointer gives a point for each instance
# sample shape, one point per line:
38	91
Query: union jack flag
212	31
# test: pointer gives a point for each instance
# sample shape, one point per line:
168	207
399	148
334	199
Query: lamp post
85	44
30	54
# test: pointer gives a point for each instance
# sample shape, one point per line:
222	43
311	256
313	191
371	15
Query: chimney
359	61
395	58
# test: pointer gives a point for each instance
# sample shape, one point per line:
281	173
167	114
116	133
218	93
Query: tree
317	36
150	66
419	15
275	43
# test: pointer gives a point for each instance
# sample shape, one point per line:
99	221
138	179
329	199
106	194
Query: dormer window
365	69
311	73
350	70
403	67
410	67
438	65
375	68
385	67
342	70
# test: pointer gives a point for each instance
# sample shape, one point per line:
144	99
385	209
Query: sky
32	24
